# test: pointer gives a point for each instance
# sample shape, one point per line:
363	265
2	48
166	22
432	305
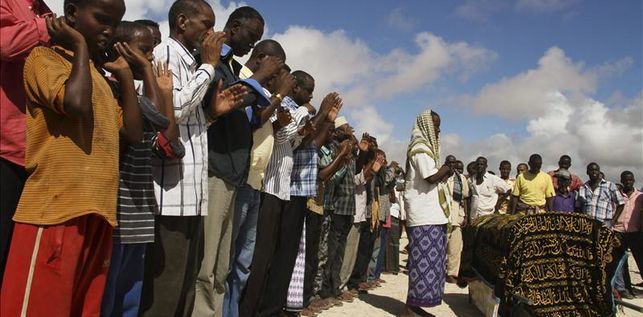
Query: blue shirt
303	181
601	202
564	202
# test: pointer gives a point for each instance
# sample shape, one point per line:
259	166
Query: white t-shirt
487	194
421	200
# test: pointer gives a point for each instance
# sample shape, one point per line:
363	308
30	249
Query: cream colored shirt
262	143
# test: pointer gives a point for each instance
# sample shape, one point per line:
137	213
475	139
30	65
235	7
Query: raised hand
63	34
211	48
345	147
330	101
137	61
269	67
164	76
228	99
307	129
285	83
379	162
119	68
364	142
283	116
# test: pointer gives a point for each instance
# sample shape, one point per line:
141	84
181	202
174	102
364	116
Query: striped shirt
303	181
279	170
72	162
181	186
600	203
136	202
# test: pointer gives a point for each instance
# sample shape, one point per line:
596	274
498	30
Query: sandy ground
389	299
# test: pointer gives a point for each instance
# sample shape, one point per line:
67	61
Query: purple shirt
564	202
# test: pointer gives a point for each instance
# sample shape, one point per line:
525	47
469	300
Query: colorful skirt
427	265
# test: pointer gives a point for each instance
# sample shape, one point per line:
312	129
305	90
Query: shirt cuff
209	69
43	34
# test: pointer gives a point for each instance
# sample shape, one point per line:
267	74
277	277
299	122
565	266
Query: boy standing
63	236
564	199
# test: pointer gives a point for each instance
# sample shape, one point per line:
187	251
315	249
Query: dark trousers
313	233
393	247
12	180
340	225
364	251
634	241
171	266
279	230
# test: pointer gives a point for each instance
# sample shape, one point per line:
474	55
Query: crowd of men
161	177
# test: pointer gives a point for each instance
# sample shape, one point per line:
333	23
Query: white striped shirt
181	186
279	170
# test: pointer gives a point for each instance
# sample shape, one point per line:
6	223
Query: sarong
295	299
427	265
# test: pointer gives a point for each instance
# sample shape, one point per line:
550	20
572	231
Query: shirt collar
226	52
185	54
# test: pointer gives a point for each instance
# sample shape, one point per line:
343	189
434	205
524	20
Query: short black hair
147	23
301	77
126	30
565	157
535	157
482	157
187	7
243	13
505	162
459	162
269	47
625	173
286	68
594	163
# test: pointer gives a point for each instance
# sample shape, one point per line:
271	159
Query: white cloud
364	77
526	94
587	130
399	21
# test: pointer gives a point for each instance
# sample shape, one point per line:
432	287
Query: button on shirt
181	186
601	202
487	193
280	167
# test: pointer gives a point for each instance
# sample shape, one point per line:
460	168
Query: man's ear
181	22
71	12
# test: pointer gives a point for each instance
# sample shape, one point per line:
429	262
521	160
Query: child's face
143	43
96	20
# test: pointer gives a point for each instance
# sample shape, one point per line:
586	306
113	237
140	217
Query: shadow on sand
459	304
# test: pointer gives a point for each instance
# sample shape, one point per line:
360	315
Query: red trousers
57	270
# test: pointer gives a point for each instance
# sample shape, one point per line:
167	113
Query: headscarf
424	139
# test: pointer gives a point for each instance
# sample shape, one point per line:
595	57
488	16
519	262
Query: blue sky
593	32
509	77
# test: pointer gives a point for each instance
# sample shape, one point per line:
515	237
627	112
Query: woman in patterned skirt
426	203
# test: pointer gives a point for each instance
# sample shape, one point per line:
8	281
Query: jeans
122	296
379	264
619	282
244	235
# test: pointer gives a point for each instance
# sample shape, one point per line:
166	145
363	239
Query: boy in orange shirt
61	248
